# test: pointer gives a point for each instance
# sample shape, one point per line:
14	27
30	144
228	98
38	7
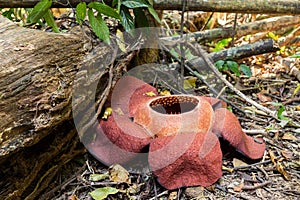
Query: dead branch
254	187
270	24
219	76
236	53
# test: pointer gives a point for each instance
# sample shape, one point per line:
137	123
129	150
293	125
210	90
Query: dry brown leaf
73	197
173	196
165	93
134	188
279	166
194	192
107	113
281	170
227	169
262	97
119	174
288	136
273	157
239	187
287	154
211	188
238	163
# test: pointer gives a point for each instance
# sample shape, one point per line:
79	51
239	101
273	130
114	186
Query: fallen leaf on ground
282	171
102	193
262	97
239	187
134	188
288	136
150	94
287	154
227	169
279	166
73	197
173	195
165	93
119	174
194	192
107	113
98	177
238	163
273	157
189	83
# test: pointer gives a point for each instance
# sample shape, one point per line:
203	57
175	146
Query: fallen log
237	6
37	132
269	25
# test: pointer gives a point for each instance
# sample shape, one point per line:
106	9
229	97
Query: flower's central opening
174	104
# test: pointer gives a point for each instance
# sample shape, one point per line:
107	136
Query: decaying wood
256	48
270	24
237	6
36	73
37	131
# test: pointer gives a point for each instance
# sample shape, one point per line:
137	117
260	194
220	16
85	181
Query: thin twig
159	195
252	165
203	27
234	30
239	93
246	187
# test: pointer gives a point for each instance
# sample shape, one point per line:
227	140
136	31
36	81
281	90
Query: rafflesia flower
179	132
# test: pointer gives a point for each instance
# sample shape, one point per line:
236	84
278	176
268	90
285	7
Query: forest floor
275	176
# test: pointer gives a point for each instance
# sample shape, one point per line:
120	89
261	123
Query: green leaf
280	111
234	67
188	54
102	193
272	36
50	21
220	45
219	64
99	26
8	13
246	70
127	19
134	4
39	10
296	55
104	9
117	3
154	13
174	53
80	12
140	18
150	2
98	177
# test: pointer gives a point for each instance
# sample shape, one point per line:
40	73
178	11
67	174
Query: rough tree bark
237	6
37	133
